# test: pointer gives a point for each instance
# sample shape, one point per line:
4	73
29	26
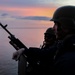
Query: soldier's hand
16	55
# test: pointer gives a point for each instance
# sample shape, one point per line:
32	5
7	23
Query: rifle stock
17	44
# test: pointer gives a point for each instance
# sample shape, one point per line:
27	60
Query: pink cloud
29	11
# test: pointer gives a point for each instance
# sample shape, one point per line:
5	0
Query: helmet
50	31
64	12
65	15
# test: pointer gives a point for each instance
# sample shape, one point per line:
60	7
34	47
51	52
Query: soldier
64	26
40	59
49	38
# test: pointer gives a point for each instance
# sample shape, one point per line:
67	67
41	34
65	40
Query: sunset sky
27	20
29	13
21	15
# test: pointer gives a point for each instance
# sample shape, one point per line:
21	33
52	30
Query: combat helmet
65	15
50	31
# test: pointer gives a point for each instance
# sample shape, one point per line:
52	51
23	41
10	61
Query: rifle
17	44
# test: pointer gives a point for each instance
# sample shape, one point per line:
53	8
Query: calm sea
31	37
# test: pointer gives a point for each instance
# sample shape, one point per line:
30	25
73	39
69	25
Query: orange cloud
29	11
38	11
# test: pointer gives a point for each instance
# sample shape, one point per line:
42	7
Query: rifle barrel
4	27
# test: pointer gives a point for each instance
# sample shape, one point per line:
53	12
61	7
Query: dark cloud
43	18
4	14
35	18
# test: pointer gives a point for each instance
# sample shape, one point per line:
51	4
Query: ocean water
30	37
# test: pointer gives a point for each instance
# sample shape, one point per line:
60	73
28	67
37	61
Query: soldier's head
64	21
49	35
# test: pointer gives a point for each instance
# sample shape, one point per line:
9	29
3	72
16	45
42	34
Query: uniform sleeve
32	53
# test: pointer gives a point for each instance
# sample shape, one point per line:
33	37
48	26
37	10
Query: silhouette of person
49	38
64	26
40	59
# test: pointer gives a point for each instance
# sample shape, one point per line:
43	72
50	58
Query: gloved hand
17	54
